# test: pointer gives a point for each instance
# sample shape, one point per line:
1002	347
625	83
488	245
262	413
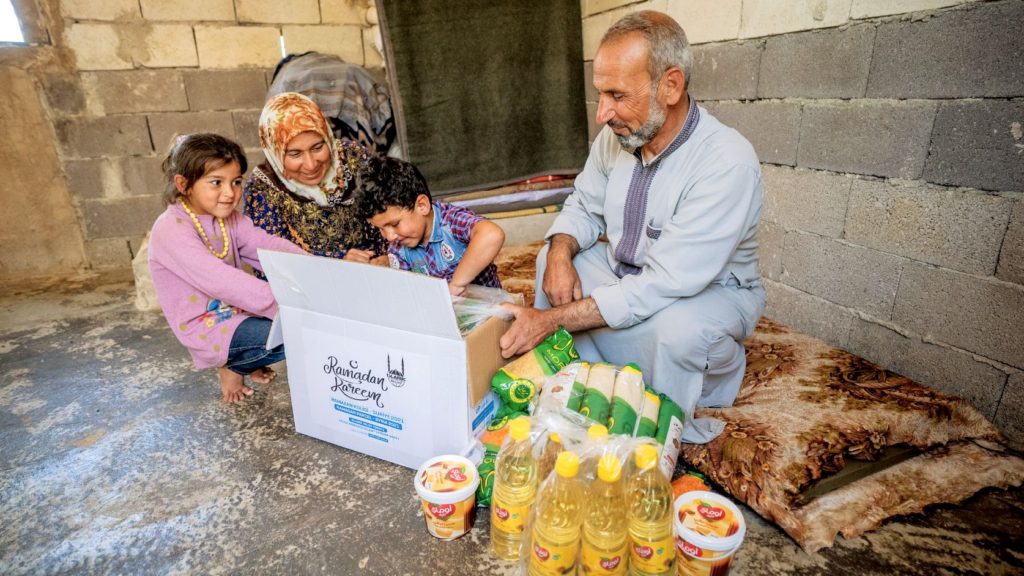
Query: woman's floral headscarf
284	117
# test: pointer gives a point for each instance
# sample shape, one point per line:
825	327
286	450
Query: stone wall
131	74
41	238
892	149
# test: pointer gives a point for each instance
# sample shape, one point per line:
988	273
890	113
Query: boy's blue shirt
441	255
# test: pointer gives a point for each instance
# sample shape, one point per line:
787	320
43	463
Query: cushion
806	410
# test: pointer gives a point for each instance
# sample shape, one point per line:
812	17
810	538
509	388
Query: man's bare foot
232	386
263	375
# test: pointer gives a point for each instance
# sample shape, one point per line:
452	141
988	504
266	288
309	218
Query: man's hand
561	281
356	255
381	261
455	289
531	326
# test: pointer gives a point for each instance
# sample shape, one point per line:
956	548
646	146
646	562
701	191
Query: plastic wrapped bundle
597	399
478	303
567	386
670	429
648	425
627	398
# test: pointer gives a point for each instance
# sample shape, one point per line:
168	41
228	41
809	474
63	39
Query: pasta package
515	393
627	398
597	398
648	425
486	470
579	387
670	430
567	386
519	380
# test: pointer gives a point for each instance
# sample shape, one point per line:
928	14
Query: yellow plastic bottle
515	487
605	548
597	436
649	516
555	537
547	458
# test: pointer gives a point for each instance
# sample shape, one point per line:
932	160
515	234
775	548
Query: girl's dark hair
383	182
194	155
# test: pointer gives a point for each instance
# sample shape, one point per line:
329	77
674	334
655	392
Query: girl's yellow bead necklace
202	233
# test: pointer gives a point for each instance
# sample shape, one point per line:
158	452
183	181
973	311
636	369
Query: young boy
433	238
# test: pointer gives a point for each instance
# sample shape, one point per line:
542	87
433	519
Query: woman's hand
381	261
357	255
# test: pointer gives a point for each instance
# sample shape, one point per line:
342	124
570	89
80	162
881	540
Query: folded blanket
806	408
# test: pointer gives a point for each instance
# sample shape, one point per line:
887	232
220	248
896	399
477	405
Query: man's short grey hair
666	41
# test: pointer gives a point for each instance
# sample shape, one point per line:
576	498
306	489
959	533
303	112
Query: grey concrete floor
117	457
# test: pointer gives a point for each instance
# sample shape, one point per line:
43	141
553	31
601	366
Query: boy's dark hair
383	182
193	155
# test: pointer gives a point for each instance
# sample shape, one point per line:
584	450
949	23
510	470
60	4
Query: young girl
198	251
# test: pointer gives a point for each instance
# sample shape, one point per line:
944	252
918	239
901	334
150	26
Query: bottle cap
597	431
554	437
567	464
609	468
646	456
519	428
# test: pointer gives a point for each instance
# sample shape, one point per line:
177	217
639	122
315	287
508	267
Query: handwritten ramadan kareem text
356	384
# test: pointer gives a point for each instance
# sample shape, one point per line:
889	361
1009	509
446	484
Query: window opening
10	28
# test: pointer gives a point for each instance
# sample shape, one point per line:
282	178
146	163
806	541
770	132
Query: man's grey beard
648	130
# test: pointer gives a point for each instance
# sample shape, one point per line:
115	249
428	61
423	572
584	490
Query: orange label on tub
708	518
652	557
445	476
510	519
449	521
693	560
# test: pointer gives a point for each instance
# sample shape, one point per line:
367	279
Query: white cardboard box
375	359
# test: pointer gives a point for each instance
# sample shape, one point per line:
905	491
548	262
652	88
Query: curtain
486	92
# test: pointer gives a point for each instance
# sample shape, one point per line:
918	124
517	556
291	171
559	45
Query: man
678	195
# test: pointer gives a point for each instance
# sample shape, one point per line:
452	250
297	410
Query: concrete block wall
139	72
892	149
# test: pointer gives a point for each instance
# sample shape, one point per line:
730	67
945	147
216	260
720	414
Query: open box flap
485	358
371	294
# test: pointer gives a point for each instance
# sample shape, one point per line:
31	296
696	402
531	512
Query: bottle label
604	562
653	556
553	560
508	519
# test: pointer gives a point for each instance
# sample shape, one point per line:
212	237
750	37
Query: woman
303	192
